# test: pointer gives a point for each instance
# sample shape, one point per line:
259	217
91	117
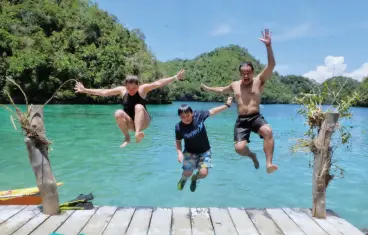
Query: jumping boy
197	149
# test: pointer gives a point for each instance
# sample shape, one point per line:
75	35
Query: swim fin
80	199
78	206
81	202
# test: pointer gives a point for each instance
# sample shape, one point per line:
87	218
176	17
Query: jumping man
197	149
248	91
134	115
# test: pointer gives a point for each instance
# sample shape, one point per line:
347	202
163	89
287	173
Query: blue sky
306	34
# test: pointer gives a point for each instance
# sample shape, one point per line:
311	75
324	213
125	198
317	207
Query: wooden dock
107	220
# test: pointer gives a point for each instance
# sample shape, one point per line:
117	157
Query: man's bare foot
253	156
139	136
125	143
271	168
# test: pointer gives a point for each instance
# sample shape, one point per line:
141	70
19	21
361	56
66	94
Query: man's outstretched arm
271	63
222	90
162	82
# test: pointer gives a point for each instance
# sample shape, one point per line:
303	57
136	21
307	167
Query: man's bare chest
247	92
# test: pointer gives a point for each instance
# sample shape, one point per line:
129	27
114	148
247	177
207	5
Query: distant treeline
43	43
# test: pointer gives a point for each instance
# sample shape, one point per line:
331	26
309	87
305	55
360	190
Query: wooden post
38	157
322	164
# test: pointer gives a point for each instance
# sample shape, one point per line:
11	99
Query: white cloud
221	29
334	66
296	32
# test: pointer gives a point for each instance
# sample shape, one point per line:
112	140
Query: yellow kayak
24	196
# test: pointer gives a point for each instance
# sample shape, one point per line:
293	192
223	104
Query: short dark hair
246	63
131	79
184	108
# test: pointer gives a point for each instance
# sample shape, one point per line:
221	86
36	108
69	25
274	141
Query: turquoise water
87	158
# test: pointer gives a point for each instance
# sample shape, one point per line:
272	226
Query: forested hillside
43	43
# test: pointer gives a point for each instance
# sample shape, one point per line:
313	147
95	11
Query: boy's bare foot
125	143
139	136
271	168
253	156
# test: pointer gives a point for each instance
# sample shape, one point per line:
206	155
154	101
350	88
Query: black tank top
129	102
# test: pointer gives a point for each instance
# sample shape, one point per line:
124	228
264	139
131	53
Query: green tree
44	43
363	89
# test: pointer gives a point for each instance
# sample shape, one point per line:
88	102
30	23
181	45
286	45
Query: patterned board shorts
196	161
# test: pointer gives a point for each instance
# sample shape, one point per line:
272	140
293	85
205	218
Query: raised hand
229	101
79	88
180	74
266	37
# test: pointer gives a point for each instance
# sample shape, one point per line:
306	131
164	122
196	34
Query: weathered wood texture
322	164
107	220
40	162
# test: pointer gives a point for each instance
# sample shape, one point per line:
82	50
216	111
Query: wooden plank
242	222
160	222
304	222
18	220
52	223
323	223
120	221
181	224
263	222
76	222
140	222
10	207
24	220
9	212
344	226
201	221
284	222
221	221
32	224
99	221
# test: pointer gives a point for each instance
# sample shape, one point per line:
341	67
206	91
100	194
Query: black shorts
245	124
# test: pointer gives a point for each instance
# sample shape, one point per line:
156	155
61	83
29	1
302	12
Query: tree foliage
314	112
43	43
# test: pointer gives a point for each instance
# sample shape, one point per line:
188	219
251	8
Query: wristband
227	105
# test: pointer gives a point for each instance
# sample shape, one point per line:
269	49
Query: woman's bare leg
141	122
125	124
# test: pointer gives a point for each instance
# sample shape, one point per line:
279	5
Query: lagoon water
87	158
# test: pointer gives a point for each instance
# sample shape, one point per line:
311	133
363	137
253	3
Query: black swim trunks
245	124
